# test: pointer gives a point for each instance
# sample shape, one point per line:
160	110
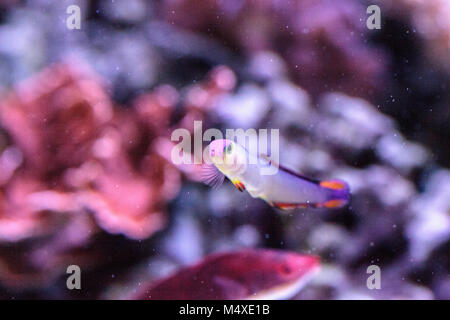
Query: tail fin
337	191
340	195
334	184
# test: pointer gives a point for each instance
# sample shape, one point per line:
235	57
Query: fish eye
285	269
227	149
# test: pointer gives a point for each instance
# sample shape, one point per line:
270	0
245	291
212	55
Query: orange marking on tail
332	184
334	203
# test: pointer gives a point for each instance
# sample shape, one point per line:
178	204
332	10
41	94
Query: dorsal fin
290	171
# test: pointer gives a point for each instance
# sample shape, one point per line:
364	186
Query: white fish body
284	189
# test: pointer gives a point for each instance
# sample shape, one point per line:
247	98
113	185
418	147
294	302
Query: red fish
246	274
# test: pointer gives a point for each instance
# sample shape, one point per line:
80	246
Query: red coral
54	118
69	152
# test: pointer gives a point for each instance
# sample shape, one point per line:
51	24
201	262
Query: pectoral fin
211	176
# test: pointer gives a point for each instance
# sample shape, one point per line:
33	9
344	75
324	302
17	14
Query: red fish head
292	266
275	267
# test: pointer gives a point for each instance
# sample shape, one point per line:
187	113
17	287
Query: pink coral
70	153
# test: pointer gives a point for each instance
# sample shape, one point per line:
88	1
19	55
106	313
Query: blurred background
86	117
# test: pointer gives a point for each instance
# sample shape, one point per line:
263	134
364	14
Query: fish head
219	149
292	266
265	273
282	274
224	154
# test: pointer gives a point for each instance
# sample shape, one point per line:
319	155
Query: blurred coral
323	41
86	170
67	151
431	18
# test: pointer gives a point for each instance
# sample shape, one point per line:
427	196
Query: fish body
244	274
285	189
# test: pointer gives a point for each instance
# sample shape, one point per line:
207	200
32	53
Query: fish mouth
213	154
286	290
216	156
